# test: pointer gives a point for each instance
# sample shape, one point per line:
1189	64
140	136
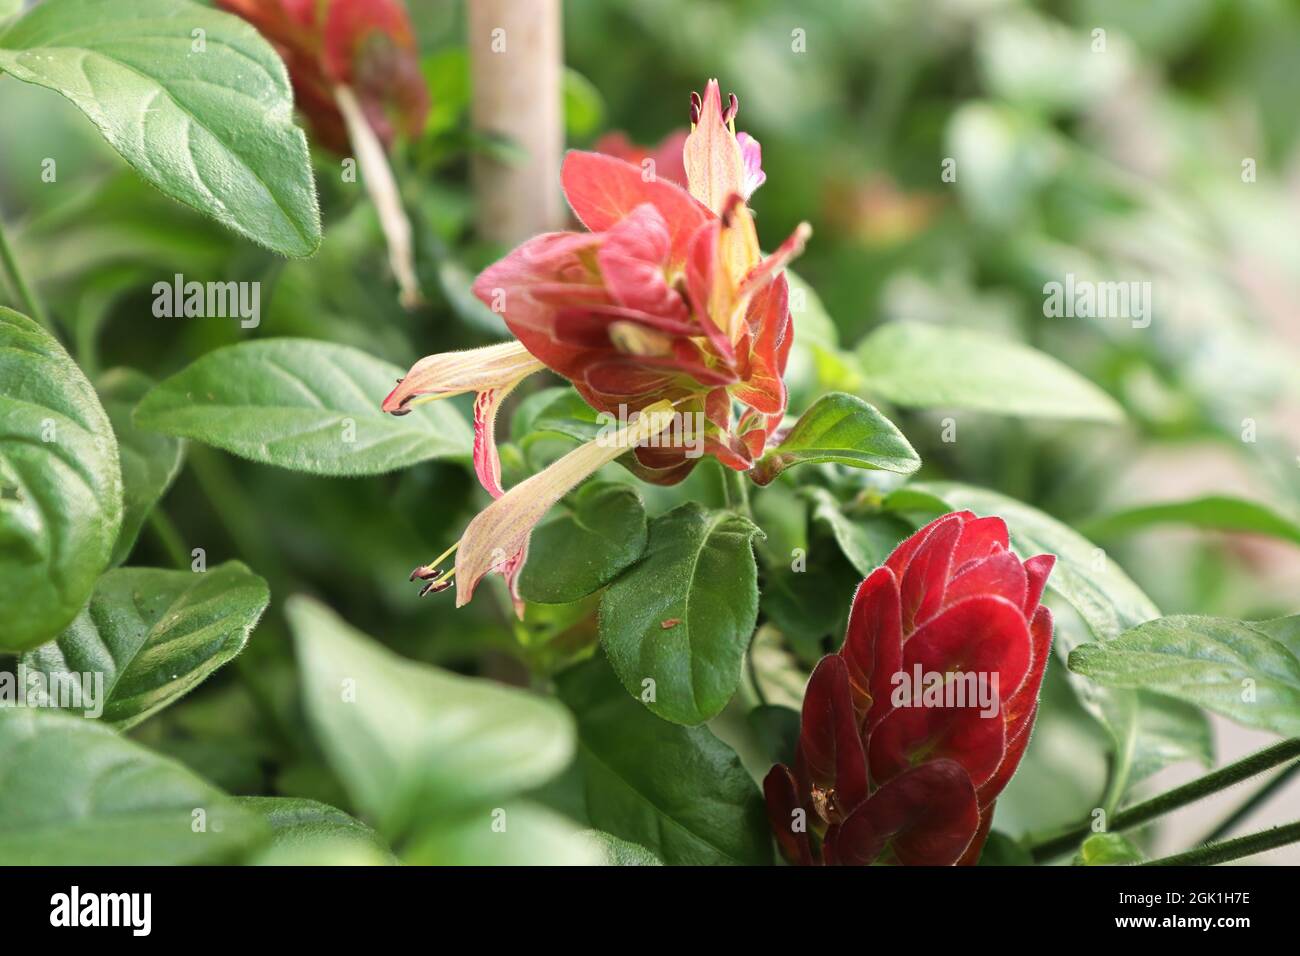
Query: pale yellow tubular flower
501	530
454	373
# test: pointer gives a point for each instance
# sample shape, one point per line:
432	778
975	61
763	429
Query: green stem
1121	765
735	491
229	501
1233	849
169	537
1178	797
18	281
1252	803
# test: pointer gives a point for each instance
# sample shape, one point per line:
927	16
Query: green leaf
817	363
405	738
311	833
515	833
918	365
1002	850
584	110
682	616
150	461
1233	668
1165	731
60	485
602	531
866	542
74	793
210	127
568	414
843	429
1108	849
154	635
301	404
776	729
1108	602
677	791
1212	512
778	675
1105	597
809	600
616	852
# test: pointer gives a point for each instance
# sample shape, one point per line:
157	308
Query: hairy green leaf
866	542
150	461
300	404
918	365
616	852
408	739
513	833
1234	668
1108	849
74	793
60	485
843	429
682	616
311	833
677	791
194	99
154	635
1212	512
601	532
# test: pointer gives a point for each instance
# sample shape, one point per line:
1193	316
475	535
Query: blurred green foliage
1115	164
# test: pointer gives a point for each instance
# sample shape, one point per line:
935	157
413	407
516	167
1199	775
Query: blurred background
1152	142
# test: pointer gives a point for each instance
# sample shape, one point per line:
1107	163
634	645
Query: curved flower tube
667	302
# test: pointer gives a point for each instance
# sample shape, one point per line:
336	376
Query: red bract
665	316
366	45
665	159
666	298
895	765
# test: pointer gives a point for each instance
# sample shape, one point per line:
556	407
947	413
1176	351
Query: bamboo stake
516	57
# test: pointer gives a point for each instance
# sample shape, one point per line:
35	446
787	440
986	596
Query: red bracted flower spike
667	297
367	45
916	725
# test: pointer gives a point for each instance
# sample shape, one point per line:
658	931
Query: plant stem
1178	797
19	283
169	537
377	176
734	491
230	503
1233	849
1252	803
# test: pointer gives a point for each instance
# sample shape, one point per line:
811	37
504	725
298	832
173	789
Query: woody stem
1167	802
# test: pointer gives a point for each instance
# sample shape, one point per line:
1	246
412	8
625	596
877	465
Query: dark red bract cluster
900	756
367	45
